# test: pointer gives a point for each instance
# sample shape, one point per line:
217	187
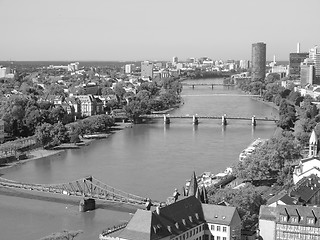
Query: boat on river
251	148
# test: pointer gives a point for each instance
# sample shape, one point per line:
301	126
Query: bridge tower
166	119
87	204
195	120
253	121
224	120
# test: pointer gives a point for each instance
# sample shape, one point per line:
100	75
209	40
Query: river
149	160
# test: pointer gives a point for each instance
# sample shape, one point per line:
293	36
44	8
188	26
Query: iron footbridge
88	187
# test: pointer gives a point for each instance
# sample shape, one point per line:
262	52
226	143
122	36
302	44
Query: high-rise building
258	63
244	64
307	74
128	68
147	69
295	60
174	60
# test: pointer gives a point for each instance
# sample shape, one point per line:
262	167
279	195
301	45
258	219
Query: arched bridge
88	187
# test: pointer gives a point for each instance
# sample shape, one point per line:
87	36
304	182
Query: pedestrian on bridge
148	204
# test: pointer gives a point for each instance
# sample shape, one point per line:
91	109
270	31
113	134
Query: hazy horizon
137	30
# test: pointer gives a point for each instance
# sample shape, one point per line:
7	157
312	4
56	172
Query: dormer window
294	219
283	218
310	220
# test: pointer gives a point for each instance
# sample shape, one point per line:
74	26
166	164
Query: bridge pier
195	120
192	86
253	121
87	204
212	86
224	120
166	119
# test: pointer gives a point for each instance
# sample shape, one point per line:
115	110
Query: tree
287	114
64	235
247	200
43	134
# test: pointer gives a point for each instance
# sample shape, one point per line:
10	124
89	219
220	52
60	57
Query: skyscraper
147	69
258	63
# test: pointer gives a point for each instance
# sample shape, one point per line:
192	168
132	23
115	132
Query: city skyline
126	30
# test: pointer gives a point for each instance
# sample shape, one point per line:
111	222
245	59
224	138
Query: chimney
158	210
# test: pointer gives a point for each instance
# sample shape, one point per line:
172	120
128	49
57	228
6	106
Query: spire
313	144
193	185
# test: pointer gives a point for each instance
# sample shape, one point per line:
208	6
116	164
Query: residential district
272	192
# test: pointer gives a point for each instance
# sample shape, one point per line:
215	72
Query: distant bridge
206	84
195	118
88	187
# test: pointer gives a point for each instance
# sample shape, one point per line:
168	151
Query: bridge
88	188
195	118
206	84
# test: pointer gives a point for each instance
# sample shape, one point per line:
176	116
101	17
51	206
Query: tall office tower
128	68
174	60
258	63
314	57
295	60
307	74
298	47
147	69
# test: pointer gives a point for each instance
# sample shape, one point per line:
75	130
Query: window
310	220
212	238
283	218
218	238
206	237
224	229
212	227
224	238
218	228
294	219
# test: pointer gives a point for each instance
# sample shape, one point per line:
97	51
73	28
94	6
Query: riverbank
271	104
39	153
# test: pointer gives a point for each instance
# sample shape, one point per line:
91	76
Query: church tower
313	145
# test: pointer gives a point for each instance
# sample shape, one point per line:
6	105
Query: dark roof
174	219
302	212
283	197
306	188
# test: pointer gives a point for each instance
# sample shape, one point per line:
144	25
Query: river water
149	160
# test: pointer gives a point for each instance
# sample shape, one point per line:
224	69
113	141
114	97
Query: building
244	64
295	60
147	69
88	105
73	67
307	74
311	164
4	71
289	222
258	61
175	60
186	219
129	68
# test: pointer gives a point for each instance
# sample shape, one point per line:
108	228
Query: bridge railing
85	187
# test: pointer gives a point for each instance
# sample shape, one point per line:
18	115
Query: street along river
148	160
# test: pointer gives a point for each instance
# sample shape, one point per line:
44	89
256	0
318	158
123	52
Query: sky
135	30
